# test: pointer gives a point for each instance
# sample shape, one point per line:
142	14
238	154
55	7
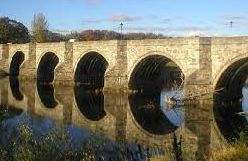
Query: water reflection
173	111
46	94
140	124
229	115
151	112
90	103
245	100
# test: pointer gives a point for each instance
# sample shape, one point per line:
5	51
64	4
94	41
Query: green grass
235	151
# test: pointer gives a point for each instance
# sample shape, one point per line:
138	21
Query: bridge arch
16	62
231	78
46	67
161	53
90	70
153	70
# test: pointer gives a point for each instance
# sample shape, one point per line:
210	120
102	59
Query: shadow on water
149	113
46	94
15	88
7	112
90	102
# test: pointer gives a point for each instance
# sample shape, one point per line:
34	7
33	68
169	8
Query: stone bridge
206	63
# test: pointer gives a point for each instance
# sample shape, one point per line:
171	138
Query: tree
89	35
12	31
56	37
74	35
40	28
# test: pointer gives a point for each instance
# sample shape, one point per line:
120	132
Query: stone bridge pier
199	82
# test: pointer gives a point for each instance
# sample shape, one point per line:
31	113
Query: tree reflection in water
173	111
245	100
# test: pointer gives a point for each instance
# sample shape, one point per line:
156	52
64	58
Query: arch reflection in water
228	121
151	116
90	103
15	88
46	94
245	100
228	115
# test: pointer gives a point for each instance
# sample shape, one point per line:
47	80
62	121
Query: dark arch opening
155	72
90	70
46	94
45	72
227	99
90	103
15	64
231	81
15	88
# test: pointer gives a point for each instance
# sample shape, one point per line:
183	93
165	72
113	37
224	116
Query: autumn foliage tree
89	35
95	35
12	31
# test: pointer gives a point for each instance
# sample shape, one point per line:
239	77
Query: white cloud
146	28
120	17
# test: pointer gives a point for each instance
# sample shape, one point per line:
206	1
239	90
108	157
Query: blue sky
171	17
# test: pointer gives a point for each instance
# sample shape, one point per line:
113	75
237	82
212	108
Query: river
117	126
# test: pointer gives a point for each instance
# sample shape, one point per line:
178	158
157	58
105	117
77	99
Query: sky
169	17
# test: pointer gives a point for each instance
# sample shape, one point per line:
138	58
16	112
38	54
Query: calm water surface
139	125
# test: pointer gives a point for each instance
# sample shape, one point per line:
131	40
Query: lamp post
121	25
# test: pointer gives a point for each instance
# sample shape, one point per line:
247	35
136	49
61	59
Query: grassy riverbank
23	143
235	151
